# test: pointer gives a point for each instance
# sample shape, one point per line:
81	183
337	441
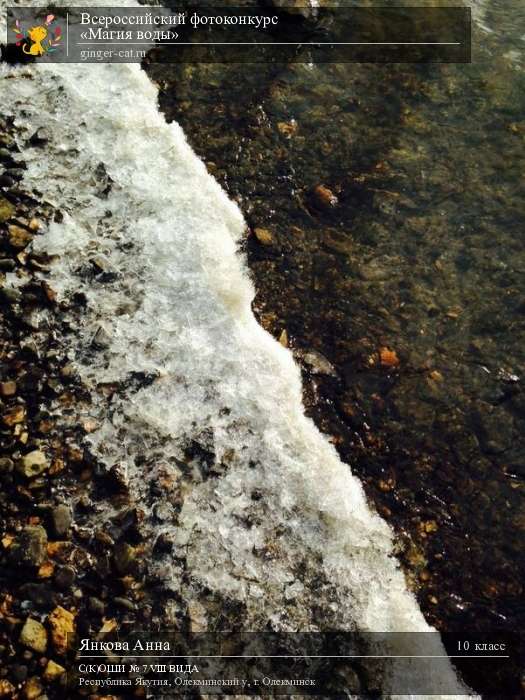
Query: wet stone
10	295
7	689
8	388
62	624
264	236
53	671
16	173
496	430
33	689
7	264
40	137
33	464
65	577
19	673
7	210
14	415
6	465
96	606
324	197
34	635
30	547
39	593
102	339
6	181
61	519
124	558
19	237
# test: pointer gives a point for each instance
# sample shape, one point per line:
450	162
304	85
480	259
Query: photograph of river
262	363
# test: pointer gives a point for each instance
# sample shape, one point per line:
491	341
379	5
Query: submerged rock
324	197
264	236
317	363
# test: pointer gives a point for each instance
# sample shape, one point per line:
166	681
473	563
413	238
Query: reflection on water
391	202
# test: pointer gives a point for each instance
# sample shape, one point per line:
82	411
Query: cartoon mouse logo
38	35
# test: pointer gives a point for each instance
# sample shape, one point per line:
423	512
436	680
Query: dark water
405	270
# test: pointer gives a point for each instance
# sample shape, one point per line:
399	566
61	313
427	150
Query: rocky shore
64	575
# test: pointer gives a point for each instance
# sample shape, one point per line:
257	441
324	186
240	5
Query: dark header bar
241	34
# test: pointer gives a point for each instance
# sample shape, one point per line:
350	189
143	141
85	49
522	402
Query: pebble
34	635
53	671
33	464
102	263
62	623
124	557
10	295
33	689
30	547
7	210
19	673
16	173
5	155
324	197
102	339
39	593
14	415
18	237
197	615
65	577
264	236
7	689
40	137
388	358
317	362
6	181
61	518
96	606
8	388
6	465
7	264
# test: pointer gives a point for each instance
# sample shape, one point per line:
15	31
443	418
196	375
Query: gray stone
102	339
30	547
6	465
96	606
65	577
61	518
